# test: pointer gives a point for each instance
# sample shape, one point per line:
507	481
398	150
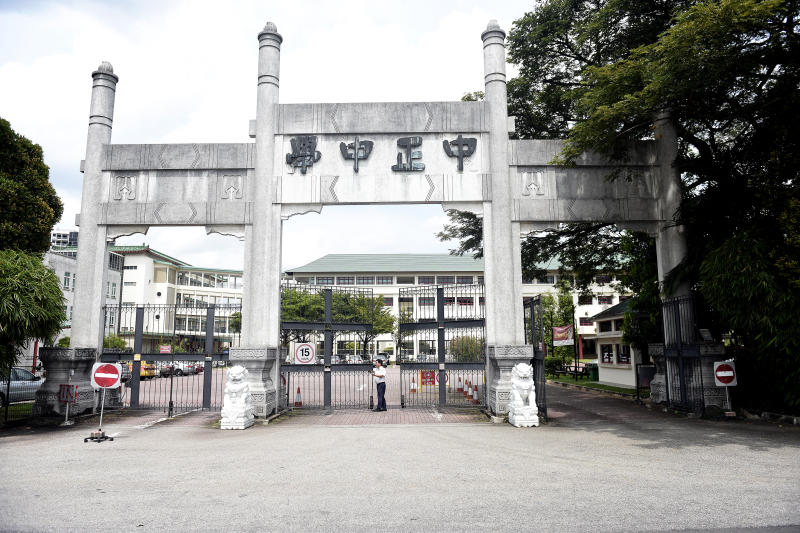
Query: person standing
379	375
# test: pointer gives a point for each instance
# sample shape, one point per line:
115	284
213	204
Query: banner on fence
563	335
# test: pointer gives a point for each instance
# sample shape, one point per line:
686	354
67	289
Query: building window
624	297
481	300
605	300
623	354
365	280
70	313
384	280
73	281
112	318
180	323
603	279
549	279
618	324
67	278
130	283
303	280
449	300
405	280
480	280
108	289
465	300
193	324
606	353
427	301
426	280
586	321
183	277
605	326
113	290
585	299
345	280
388	301
406	304
445	280
130	267
324	280
464	280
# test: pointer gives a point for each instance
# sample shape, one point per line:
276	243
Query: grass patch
17	411
595	385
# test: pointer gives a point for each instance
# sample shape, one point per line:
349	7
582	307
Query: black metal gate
441	349
334	322
174	357
683	366
534	334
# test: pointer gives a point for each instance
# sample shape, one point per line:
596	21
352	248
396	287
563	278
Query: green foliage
370	310
31	303
235	322
467	229
467	349
114	342
30	204
63	342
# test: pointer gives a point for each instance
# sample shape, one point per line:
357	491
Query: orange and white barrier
460	387
468	390
413	384
475	395
298	400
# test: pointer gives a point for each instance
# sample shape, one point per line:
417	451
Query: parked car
179	368
147	370
23	386
199	367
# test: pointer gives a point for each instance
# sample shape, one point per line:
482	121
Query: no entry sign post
725	376
104	376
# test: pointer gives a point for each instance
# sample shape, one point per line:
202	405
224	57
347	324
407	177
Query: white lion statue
237	410
522	410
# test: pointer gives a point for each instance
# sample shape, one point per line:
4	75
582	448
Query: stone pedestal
57	363
522	416
501	361
237	409
709	354
262	368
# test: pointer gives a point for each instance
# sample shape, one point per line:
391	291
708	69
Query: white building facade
386	274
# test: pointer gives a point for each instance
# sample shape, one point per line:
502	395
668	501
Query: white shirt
380	375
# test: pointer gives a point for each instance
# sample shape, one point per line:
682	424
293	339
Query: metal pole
328	345
137	355
171	376
102	405
8	389
440	345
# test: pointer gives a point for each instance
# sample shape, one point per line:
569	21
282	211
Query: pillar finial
493	29
270	31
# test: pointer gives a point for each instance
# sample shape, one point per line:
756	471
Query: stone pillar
86	338
262	252
501	237
670	239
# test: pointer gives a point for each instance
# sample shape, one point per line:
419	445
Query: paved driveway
612	467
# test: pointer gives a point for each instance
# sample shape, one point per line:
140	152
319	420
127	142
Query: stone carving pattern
511	351
532	181
237	407
522	410
243	354
231	187
125	187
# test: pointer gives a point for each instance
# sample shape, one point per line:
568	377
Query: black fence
535	335
335	324
683	366
644	374
18	388
442	346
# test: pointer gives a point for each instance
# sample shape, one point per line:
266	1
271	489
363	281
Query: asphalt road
614	467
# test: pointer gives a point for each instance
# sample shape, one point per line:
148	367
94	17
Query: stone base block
262	368
523	416
57	364
502	359
244	421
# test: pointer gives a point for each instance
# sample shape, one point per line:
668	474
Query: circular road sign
725	374
304	354
106	375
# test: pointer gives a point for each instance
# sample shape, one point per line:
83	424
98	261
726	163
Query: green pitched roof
615	310
395	263
147	249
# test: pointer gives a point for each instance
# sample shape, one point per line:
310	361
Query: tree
727	72
467	349
371	310
114	342
30	204
31	303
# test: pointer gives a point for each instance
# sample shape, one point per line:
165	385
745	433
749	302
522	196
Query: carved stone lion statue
237	409
522	410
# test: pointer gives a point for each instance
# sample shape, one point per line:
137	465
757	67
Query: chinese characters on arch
409	152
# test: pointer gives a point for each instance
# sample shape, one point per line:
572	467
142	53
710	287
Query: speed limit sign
304	354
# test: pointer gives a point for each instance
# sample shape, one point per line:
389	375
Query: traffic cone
475	395
468	391
298	401
460	387
413	384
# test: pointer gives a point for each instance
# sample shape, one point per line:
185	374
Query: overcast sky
188	74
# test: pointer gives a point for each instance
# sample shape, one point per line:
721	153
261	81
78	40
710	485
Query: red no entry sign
106	375
725	374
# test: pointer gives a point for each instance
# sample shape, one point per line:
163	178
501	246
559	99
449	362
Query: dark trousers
381	398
